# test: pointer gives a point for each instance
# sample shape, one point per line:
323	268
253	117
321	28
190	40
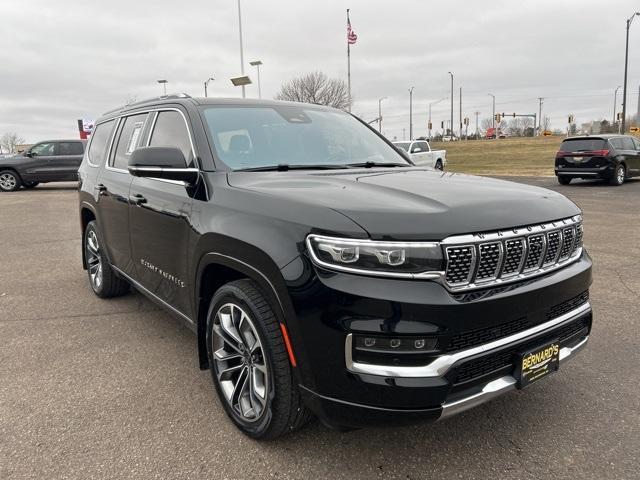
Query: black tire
10	181
564	180
439	165
104	281
30	184
619	174
282	410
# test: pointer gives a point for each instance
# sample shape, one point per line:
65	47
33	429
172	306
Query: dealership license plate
538	363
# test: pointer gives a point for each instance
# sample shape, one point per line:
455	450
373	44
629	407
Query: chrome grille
479	260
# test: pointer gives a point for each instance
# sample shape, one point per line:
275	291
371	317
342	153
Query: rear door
113	192
160	219
67	160
632	154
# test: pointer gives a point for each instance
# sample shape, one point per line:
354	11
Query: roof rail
171	96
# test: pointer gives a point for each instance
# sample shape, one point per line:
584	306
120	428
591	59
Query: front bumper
332	307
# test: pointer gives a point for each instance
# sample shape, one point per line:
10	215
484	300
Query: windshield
403	145
263	136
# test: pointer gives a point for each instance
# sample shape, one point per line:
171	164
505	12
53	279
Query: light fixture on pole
411	113
493	121
206	83
257	64
451	124
626	64
615	101
241	81
164	85
433	103
380	113
241	51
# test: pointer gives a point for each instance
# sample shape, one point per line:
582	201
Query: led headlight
389	259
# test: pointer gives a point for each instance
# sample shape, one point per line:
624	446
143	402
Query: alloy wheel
620	174
94	259
239	362
8	181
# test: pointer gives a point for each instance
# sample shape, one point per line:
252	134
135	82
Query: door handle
100	188
137	199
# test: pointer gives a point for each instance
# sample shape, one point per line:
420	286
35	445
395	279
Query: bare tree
546	123
9	141
316	87
486	124
519	125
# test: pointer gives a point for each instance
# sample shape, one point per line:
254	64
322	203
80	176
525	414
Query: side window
636	142
616	143
70	148
416	147
99	141
44	149
128	140
170	130
627	143
424	146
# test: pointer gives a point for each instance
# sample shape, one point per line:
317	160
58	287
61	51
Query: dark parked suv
609	157
50	161
321	271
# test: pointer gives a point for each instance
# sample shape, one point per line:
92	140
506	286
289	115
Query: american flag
351	35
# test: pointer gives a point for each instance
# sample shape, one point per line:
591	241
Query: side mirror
30	154
161	162
416	150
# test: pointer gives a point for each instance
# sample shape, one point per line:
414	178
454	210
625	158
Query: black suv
50	161
321	271
609	157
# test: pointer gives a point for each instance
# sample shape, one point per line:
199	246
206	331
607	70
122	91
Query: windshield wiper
377	164
283	167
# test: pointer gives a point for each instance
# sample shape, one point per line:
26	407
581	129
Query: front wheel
618	176
564	180
9	181
104	281
249	363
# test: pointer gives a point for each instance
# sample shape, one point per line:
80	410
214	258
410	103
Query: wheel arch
87	214
216	268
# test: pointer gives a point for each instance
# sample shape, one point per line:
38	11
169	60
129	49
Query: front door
159	220
38	167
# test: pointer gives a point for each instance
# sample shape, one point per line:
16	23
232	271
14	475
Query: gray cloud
65	60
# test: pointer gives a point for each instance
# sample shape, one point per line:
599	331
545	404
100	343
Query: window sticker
135	135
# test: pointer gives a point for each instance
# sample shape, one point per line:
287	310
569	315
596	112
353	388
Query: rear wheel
103	279
618	175
439	165
564	180
9	181
249	363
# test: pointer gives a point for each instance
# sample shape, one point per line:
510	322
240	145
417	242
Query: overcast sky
63	60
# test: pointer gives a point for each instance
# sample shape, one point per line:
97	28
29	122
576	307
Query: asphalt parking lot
111	389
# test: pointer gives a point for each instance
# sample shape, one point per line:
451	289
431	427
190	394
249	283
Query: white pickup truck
421	154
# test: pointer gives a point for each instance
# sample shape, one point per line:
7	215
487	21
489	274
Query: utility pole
615	101
460	113
451	124
626	64
380	113
541	100
241	49
477	131
411	113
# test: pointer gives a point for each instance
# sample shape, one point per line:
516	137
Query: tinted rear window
70	148
583	144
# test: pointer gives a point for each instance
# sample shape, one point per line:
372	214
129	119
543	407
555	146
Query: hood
413	203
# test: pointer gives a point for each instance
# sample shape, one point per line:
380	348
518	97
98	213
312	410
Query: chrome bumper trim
497	387
442	364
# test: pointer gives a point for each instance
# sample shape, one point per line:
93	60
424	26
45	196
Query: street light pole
380	113
411	113
541	100
615	101
626	64
241	49
451	124
164	86
257	64
206	83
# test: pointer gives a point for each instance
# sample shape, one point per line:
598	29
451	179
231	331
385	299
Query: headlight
388	259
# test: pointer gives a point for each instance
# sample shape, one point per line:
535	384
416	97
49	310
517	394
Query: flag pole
348	63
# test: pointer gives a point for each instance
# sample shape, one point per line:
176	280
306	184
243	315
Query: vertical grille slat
490	258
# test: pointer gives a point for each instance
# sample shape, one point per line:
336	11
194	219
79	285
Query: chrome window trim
441	365
120	120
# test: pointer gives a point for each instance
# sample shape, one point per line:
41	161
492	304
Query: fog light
394	343
369	342
419	343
